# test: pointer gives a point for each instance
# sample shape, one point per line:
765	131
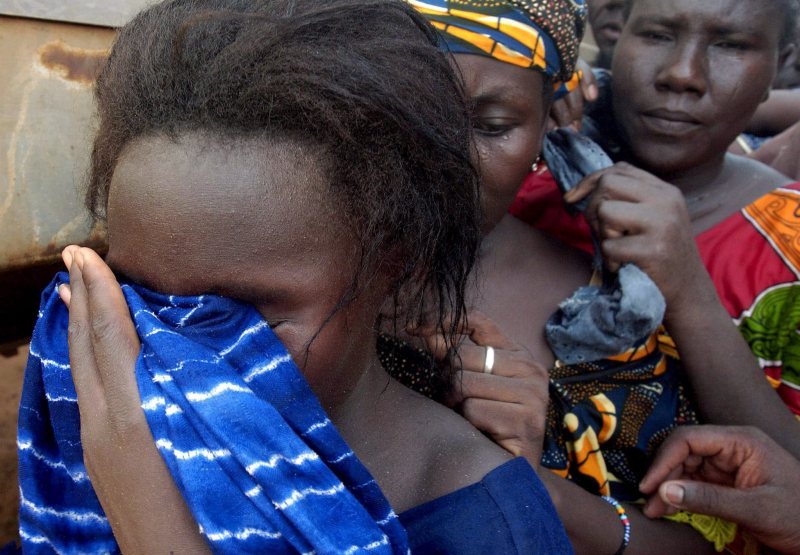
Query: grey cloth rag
598	322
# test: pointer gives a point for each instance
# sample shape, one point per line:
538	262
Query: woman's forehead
197	178
489	78
721	15
200	208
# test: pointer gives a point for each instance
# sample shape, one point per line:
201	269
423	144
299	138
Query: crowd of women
332	314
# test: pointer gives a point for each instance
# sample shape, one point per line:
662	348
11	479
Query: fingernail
64	293
674	493
66	256
569	196
593	92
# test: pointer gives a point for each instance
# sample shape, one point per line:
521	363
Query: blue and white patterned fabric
260	465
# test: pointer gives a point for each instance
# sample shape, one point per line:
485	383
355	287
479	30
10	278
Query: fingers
477	326
560	112
617	218
483	331
575	103
619	182
507	363
624	249
114	339
103	344
655	507
710	499
685	442
588	82
85	375
65	293
505	421
508	389
67	256
583	189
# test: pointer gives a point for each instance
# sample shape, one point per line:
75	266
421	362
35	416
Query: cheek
633	80
735	96
505	161
337	355
738	93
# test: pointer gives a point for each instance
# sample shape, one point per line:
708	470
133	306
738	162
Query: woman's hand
738	474
132	482
642	220
509	402
568	111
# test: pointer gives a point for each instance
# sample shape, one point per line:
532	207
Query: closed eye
655	36
732	45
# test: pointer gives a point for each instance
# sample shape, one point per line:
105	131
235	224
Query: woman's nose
685	70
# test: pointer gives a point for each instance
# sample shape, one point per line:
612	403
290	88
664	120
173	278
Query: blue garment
247	443
507	512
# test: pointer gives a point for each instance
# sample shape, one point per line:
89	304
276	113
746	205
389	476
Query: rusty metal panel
46	73
108	13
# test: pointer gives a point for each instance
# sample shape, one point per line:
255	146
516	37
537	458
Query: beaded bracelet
626	522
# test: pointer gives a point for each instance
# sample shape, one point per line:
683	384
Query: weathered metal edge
108	13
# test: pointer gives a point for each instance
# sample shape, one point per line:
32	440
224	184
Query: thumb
709	499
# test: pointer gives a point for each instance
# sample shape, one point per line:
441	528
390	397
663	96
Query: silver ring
488	361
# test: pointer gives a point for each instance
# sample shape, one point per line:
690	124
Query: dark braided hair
362	81
789	8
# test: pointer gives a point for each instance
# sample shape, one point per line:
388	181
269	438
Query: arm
643	220
735	473
146	511
509	405
727	381
778	113
594	528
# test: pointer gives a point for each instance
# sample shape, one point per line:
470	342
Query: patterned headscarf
537	34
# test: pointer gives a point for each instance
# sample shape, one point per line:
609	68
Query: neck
698	179
700	186
359	406
496	235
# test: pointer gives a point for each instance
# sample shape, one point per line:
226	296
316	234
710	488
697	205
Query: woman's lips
668	122
610	33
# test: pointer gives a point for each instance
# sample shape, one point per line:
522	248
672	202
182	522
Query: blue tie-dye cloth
260	465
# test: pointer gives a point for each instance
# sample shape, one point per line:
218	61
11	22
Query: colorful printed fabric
260	465
538	34
753	258
606	419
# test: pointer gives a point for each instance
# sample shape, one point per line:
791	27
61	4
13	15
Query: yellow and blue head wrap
539	34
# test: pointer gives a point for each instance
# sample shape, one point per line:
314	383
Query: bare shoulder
443	451
752	172
527	263
522	277
515	237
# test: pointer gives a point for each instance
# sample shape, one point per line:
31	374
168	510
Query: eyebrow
660	20
716	29
499	95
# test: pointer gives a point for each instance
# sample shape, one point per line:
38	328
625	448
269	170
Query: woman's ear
787	56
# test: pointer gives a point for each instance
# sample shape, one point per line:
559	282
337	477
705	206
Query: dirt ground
11	370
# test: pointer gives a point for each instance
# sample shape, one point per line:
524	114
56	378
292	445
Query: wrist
695	300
